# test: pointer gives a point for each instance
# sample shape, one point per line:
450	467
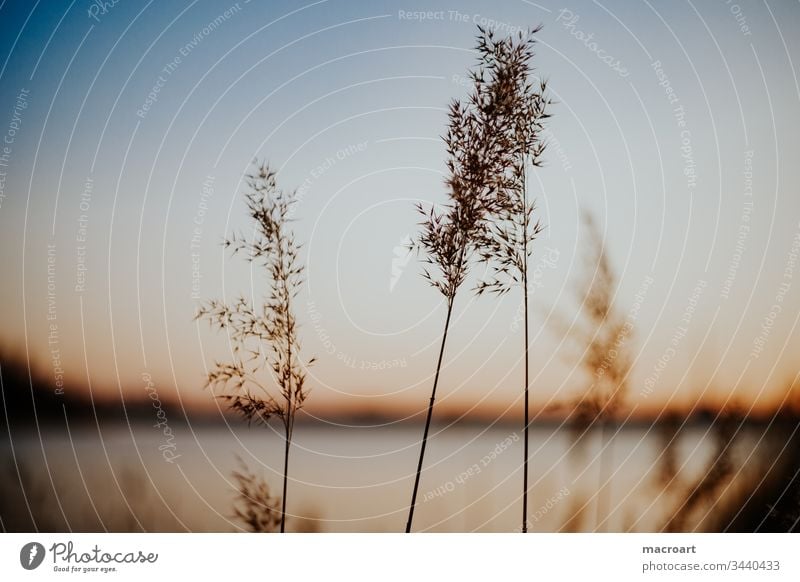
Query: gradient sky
348	100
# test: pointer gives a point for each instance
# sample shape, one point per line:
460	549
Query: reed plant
506	244
265	353
255	506
602	333
477	158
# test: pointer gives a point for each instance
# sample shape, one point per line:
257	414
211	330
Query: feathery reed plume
264	337
606	358
477	156
254	505
506	242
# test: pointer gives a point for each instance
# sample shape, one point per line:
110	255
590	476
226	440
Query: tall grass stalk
602	334
507	242
477	155
607	355
264	338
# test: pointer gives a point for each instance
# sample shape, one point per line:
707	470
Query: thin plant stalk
506	244
477	155
285	478
527	382
606	461
264	337
604	338
428	419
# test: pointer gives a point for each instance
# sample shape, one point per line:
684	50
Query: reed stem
430	415
525	305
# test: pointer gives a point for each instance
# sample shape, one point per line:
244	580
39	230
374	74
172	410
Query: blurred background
127	130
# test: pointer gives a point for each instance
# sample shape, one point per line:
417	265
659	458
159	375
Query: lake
353	478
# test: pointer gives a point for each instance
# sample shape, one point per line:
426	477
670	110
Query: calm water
351	478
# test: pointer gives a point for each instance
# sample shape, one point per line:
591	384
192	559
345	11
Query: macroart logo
31	555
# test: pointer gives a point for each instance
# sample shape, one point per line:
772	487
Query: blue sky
347	100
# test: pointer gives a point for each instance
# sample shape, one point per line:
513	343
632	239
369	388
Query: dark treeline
28	397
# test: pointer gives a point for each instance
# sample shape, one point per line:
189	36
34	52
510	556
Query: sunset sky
127	131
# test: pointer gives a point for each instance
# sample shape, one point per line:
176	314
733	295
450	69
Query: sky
128	128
